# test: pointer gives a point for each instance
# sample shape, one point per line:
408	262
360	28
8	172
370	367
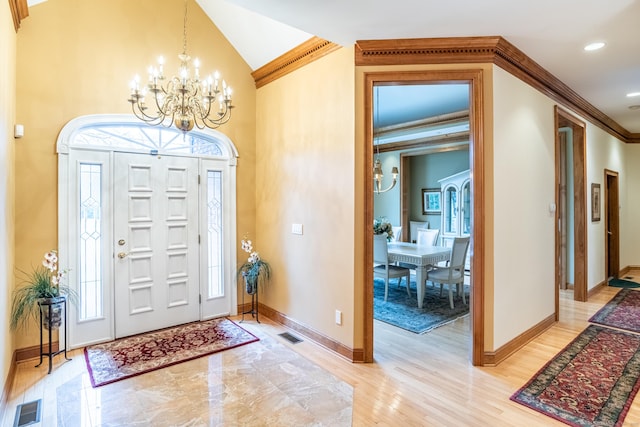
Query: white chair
454	273
413	229
427	236
383	268
397	233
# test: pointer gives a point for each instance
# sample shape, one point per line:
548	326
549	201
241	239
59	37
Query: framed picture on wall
595	202
431	201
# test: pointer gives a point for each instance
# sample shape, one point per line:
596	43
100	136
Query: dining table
422	256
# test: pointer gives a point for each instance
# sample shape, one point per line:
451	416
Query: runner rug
592	382
131	356
623	311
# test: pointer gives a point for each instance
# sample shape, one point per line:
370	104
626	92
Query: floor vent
291	338
27	414
629	277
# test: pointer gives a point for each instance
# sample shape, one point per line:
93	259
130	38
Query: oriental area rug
623	311
401	310
592	382
127	357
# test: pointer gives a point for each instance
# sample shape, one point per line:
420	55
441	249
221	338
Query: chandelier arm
140	114
378	191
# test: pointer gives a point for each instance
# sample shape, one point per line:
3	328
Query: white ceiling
551	32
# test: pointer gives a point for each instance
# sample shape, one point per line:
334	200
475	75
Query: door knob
122	255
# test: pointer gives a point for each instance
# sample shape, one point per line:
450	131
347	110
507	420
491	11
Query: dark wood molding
352	355
19	11
8	383
493	358
34	351
309	51
491	49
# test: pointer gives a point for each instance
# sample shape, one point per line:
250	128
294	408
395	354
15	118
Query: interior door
612	224
156	256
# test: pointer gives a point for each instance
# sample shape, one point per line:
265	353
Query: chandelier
185	100
377	164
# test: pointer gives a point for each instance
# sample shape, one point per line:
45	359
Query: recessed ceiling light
594	46
634	107
632	94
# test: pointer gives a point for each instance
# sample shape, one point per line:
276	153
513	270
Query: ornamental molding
490	49
305	53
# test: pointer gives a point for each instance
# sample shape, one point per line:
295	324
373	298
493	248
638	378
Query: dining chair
413	229
397	233
382	267
453	274
427	236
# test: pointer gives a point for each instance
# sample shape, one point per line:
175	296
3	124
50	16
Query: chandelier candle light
185	100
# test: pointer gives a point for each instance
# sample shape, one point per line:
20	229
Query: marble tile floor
264	383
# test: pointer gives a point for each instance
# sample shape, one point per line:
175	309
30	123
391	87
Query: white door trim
78	137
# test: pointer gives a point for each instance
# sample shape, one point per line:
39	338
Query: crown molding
305	53
491	49
19	11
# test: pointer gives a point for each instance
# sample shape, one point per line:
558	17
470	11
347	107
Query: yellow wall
7	218
77	58
305	174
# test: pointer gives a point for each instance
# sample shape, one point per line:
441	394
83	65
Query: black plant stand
48	305
254	304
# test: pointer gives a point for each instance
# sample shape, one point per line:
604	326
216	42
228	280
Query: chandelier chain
184	30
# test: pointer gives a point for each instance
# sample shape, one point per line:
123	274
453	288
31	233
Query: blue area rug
402	311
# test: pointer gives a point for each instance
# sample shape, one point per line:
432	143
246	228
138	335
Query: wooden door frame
563	118
611	223
474	78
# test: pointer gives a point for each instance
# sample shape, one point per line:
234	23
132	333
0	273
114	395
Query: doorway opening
611	225
472	81
571	207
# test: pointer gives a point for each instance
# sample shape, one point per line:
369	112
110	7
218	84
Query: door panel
156	216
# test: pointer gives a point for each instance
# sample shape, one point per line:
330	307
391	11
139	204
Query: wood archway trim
474	78
19	11
566	119
490	49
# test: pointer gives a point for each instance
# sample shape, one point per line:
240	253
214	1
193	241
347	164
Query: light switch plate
296	228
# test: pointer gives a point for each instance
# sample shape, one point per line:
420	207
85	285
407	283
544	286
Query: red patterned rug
623	311
131	356
592	382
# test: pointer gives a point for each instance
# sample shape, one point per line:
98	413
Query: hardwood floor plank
416	380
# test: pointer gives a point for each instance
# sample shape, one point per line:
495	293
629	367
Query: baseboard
628	268
353	355
8	383
597	288
495	357
34	351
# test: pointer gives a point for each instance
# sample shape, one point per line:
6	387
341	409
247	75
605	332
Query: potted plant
382	225
255	271
42	287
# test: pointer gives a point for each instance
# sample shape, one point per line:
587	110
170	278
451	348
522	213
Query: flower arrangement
382	225
255	270
44	282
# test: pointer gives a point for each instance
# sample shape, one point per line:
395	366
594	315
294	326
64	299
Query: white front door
156	251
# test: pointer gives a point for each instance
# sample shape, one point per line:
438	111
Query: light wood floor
424	380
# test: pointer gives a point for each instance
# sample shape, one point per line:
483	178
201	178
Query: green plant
45	281
255	270
382	225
